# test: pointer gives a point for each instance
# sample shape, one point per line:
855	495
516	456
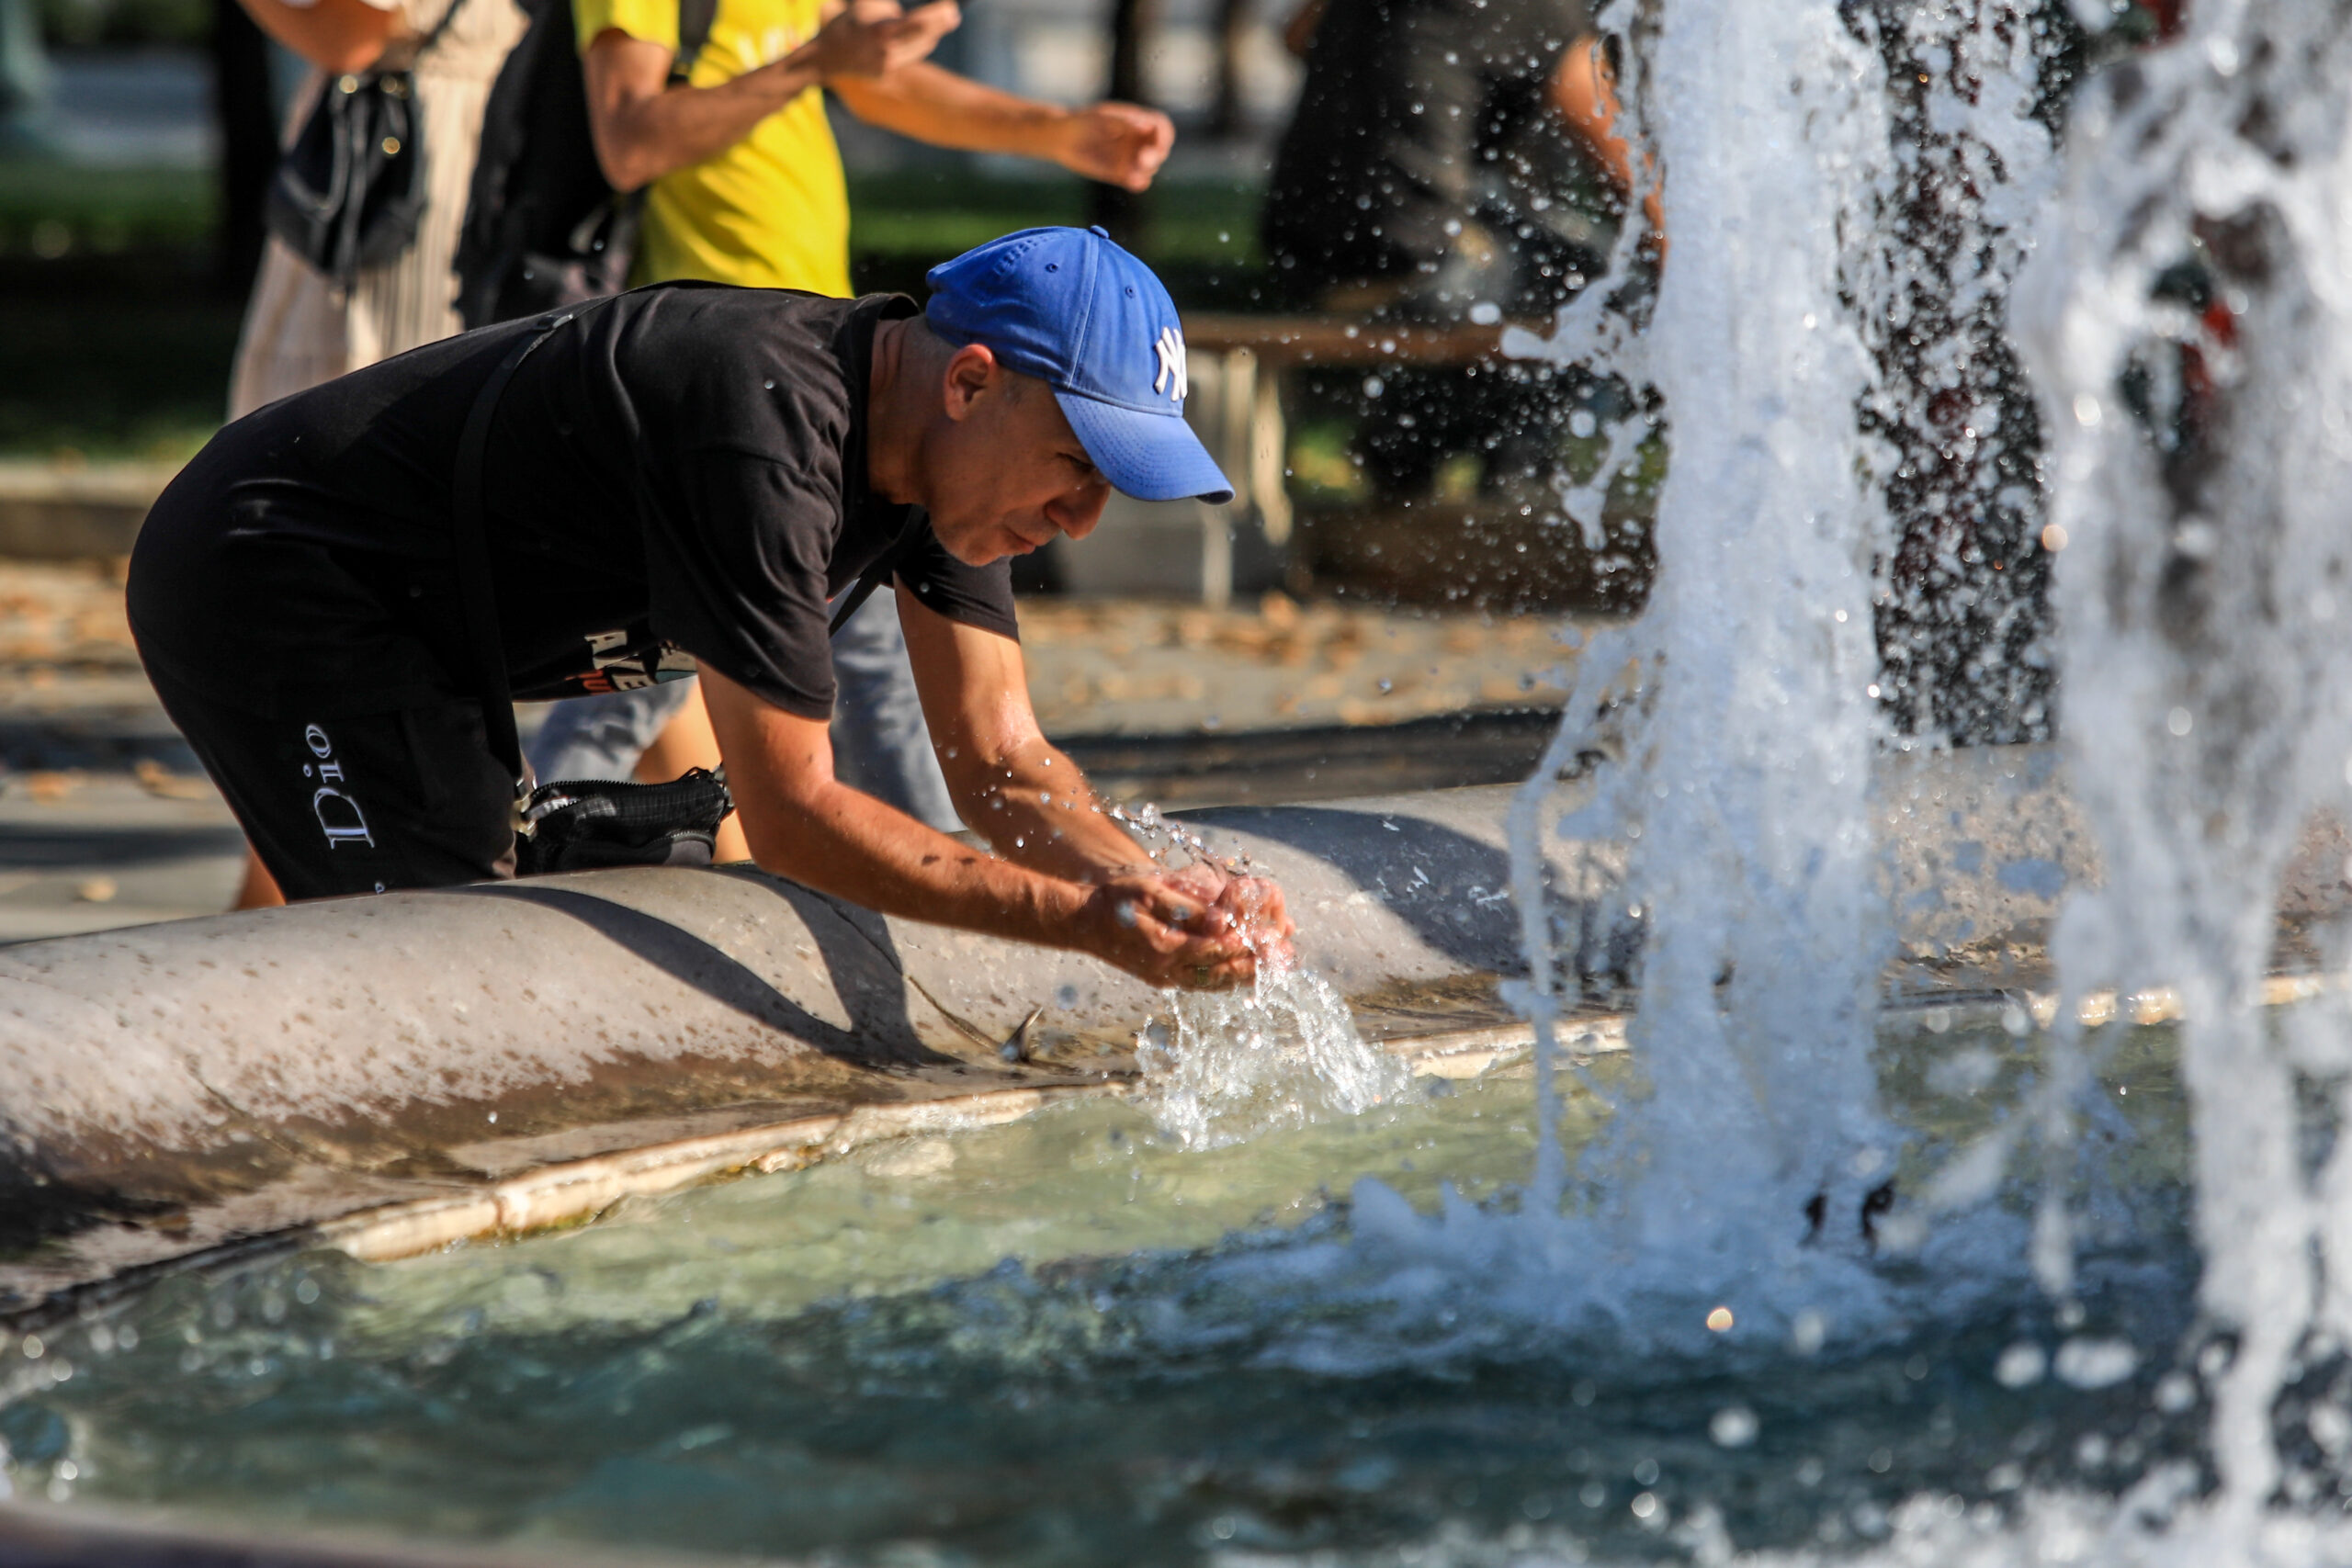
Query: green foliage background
85	24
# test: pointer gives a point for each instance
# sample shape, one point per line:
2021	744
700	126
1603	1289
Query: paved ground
1104	667
106	820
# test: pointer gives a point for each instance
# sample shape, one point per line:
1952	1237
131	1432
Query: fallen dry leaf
159	779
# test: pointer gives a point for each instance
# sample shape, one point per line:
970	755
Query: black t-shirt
680	470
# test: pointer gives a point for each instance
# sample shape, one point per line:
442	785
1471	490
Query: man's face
1006	474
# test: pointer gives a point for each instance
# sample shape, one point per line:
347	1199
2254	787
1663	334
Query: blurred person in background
303	327
1451	161
745	185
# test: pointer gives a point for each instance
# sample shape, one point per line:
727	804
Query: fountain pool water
1075	1339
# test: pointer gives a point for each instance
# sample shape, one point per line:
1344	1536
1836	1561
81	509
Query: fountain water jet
2207	678
1744	782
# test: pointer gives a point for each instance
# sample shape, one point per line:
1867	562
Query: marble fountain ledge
389	1075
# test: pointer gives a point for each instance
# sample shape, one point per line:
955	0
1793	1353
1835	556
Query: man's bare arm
643	128
1584	90
1011	784
803	824
1122	144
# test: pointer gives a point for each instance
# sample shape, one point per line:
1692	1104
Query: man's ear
971	371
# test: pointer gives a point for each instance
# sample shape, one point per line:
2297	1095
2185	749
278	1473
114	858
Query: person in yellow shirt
746	187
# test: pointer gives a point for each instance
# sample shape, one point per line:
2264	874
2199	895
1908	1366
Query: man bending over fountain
680	476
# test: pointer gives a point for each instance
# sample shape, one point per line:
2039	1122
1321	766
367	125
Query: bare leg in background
688	741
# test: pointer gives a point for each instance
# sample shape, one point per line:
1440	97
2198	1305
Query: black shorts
306	679
355	803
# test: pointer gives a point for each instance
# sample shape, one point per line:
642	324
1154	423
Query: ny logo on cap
1170	348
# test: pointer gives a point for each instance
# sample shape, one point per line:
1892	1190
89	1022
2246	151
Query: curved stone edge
207	1058
553	1196
46	1534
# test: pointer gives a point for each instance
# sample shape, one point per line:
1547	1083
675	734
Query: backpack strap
695	19
469	551
424	45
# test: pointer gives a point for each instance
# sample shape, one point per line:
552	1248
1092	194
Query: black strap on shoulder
877	574
470	550
695	19
425	44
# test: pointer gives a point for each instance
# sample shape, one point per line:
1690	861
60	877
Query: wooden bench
1235	365
1284	341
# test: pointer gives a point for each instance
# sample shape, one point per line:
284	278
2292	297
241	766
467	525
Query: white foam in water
2207	701
2205	600
1282	1052
1745	781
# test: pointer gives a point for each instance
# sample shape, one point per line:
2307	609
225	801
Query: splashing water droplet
1733	1426
1281	1053
2021	1366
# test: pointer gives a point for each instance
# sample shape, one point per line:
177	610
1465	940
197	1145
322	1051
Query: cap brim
1152	456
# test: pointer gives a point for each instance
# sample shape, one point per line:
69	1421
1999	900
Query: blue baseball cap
1089	320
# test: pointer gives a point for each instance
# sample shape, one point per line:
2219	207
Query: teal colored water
1072	1341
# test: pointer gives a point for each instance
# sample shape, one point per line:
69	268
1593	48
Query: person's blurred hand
872	37
1119	144
1298	33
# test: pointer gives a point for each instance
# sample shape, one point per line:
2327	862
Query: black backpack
543	229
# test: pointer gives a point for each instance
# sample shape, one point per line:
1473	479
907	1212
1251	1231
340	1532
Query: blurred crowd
1447	163
447	164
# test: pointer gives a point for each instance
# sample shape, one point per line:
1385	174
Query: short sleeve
654	21
737	575
973	596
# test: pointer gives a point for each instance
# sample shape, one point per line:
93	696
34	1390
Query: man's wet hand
1252	908
1195	929
1165	934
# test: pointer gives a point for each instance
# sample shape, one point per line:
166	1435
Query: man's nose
1077	512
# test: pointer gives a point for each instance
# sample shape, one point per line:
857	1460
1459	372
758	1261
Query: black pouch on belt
585	824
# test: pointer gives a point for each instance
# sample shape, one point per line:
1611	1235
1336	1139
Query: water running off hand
1234	1064
1281	1053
